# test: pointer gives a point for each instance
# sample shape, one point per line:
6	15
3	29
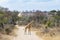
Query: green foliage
53	11
58	13
5	17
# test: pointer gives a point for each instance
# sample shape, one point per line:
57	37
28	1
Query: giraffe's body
28	28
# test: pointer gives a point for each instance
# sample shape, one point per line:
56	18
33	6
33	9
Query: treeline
49	18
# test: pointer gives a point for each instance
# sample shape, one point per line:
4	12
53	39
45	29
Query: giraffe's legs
25	30
29	31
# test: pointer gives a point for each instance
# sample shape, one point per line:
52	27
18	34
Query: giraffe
28	27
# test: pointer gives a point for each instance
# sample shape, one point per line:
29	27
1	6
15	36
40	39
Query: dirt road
22	36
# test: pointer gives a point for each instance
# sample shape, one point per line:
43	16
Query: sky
22	5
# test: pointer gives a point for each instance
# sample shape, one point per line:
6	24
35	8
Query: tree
53	12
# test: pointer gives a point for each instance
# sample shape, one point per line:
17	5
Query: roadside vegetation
46	23
7	20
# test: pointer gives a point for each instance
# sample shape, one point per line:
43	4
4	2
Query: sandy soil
22	36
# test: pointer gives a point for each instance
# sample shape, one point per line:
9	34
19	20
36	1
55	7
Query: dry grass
5	37
10	36
13	33
47	37
52	34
